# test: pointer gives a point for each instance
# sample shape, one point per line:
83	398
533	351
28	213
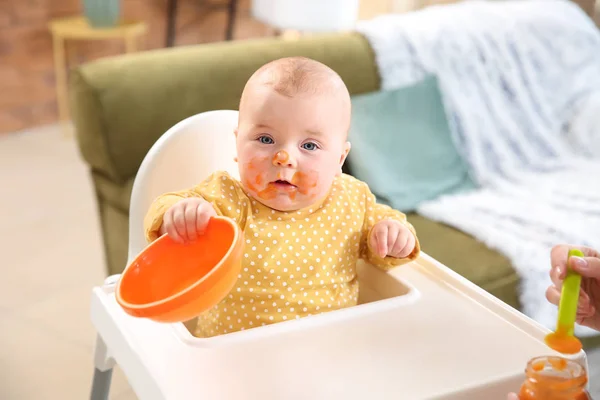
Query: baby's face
290	149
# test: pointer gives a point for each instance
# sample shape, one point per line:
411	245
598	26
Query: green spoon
563	340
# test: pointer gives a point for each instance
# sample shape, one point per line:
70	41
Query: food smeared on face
256	180
281	157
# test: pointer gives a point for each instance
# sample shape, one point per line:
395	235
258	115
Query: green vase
102	13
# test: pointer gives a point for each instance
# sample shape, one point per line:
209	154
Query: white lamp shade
307	15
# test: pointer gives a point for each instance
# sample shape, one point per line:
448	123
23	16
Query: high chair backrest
181	158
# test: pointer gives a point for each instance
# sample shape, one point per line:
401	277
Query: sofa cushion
483	266
115	194
115	230
402	146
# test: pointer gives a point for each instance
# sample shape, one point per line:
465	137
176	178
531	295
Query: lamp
307	15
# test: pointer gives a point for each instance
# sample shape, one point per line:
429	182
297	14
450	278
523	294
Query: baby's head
292	132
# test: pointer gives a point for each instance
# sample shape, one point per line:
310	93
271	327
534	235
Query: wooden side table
77	28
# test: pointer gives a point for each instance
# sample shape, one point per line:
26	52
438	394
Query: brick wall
27	87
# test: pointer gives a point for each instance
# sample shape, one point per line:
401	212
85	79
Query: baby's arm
185	213
388	239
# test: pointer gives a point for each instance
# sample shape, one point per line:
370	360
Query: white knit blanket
521	87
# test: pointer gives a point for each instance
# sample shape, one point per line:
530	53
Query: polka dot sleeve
374	213
219	189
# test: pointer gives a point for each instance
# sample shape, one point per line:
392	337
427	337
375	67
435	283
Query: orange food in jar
554	378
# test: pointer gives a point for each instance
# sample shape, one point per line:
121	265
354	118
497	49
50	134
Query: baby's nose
282	159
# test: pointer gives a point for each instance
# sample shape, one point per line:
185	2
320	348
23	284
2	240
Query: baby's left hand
392	238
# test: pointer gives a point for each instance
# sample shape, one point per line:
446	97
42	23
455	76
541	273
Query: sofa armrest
122	105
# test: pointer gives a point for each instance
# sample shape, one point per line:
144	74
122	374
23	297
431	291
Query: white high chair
181	158
420	331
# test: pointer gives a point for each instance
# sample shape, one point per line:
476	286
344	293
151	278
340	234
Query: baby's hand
392	238
187	219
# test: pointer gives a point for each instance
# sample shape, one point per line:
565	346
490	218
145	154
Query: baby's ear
235	132
347	147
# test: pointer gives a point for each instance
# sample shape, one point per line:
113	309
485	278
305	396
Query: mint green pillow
401	146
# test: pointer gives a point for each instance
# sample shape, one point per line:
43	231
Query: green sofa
122	105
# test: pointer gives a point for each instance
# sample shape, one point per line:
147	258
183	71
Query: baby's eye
265	140
310	146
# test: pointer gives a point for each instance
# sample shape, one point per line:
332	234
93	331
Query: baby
305	222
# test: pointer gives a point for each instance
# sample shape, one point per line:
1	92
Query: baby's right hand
187	219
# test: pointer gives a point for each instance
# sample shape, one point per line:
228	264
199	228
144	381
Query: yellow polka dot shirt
295	263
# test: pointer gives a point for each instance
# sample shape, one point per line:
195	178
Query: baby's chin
283	203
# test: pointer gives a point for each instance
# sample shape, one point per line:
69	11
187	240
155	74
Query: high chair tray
421	331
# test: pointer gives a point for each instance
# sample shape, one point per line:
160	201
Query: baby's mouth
283	184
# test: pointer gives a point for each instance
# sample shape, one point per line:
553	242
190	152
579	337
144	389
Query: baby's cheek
253	175
319	190
307	182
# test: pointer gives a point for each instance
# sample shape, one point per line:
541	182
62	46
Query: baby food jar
554	378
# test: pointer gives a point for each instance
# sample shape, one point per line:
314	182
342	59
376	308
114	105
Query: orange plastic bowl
172	282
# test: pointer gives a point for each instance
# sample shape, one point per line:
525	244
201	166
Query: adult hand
588	310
